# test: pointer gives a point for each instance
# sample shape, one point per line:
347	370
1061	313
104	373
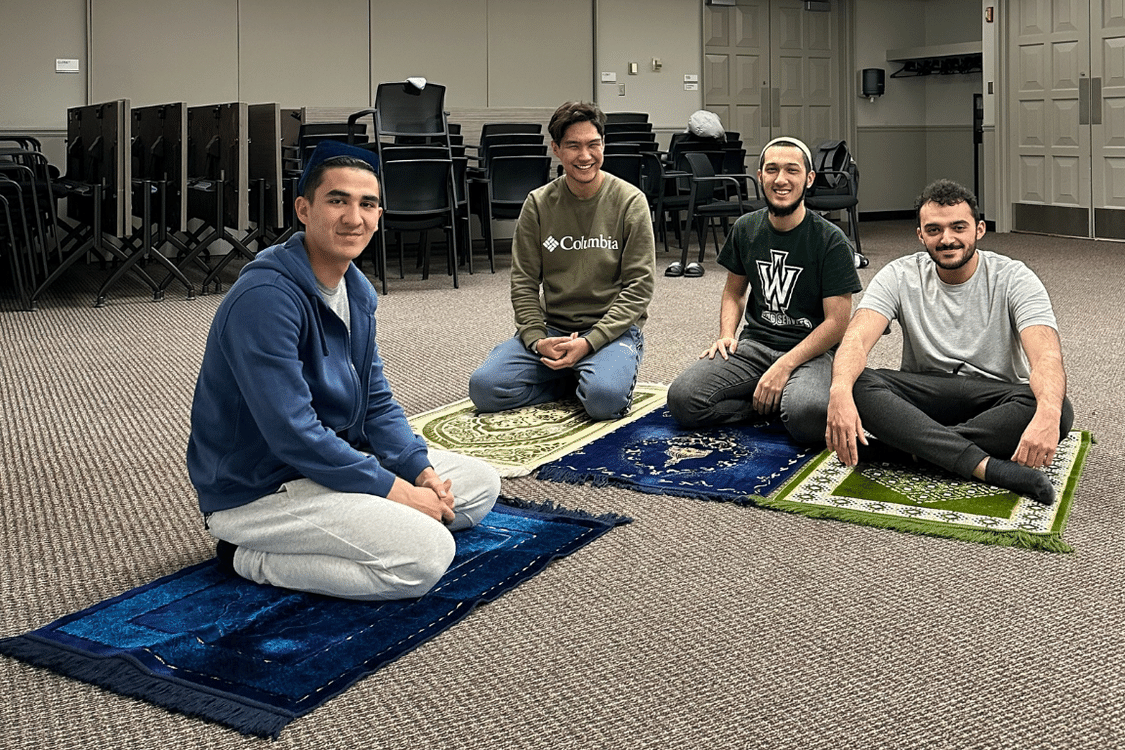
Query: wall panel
151	53
320	61
444	41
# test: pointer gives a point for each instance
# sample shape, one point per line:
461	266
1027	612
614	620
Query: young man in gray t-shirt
981	391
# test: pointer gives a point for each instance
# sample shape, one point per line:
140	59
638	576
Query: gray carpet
699	625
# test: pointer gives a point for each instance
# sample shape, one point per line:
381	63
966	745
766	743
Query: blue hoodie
286	392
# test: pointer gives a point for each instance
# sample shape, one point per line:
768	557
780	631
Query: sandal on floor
676	269
693	270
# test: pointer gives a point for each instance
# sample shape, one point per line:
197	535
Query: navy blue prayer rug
733	463
254	657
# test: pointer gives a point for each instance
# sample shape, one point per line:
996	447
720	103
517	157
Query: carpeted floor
698	625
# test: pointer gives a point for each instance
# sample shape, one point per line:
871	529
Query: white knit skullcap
795	141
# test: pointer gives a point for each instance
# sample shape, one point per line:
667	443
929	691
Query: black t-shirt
790	274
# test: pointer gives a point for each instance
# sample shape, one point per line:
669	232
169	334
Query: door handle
1083	101
1096	101
1089	101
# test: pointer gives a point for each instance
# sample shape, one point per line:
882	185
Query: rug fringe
1052	542
552	508
565	475
125	676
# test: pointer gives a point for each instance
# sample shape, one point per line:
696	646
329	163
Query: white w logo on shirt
778	280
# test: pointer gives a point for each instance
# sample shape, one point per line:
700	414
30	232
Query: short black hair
316	174
945	193
572	112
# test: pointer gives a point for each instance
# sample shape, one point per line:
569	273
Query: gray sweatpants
310	538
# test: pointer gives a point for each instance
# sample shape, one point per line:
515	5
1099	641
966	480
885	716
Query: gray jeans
310	538
721	391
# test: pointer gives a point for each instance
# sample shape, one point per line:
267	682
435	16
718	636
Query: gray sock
1019	479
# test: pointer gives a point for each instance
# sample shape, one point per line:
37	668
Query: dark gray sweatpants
952	421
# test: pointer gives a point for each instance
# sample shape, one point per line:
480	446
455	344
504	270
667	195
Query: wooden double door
1066	118
773	68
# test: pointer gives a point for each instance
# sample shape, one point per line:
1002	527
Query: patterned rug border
647	398
1050	541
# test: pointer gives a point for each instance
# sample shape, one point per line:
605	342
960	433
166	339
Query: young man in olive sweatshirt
583	273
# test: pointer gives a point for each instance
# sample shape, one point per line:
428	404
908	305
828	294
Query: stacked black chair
509	180
418	195
411	115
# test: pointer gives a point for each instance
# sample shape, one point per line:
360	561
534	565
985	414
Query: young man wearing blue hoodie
305	466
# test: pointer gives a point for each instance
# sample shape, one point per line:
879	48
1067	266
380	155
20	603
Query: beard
783	211
966	255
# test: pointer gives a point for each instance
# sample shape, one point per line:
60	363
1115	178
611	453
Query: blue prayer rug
732	463
255	657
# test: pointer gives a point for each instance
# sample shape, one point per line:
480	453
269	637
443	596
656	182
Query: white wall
921	128
672	33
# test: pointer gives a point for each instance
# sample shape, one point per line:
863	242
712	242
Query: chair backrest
511	149
652	175
699	165
510	144
497	128
836	170
401	108
626	117
313	133
628	147
734	161
460	172
500	139
625	166
414	186
398	153
511	178
629	136
617	127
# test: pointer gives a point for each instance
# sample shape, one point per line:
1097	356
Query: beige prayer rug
518	441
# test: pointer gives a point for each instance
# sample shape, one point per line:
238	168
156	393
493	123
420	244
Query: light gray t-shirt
966	329
337	301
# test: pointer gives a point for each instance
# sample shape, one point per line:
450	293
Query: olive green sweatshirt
594	259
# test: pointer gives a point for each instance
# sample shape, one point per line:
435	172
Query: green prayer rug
518	441
928	500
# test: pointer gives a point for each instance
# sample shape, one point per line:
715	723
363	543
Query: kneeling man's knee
680	403
428	563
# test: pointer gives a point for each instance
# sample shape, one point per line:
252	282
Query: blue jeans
721	391
512	377
310	538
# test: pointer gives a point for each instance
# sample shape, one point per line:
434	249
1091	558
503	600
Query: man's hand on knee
1037	444
767	394
424	499
724	347
844	428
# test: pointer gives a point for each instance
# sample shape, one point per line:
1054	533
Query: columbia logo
551	243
